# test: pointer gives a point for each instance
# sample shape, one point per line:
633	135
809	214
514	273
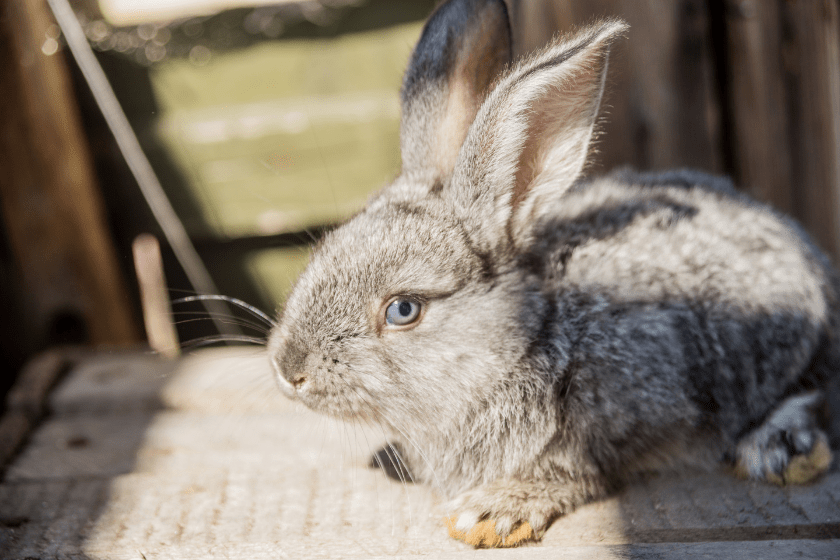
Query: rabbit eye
402	311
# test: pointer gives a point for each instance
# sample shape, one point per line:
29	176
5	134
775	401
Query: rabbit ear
464	46
529	141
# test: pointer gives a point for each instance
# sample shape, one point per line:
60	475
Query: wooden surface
815	69
759	56
202	458
52	211
26	402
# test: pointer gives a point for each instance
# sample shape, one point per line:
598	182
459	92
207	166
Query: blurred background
269	121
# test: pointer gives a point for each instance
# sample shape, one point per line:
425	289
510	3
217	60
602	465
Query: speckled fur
574	331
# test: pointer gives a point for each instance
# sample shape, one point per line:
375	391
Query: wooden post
661	109
815	108
157	311
757	55
52	211
784	86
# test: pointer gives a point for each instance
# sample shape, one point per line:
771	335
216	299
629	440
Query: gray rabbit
532	338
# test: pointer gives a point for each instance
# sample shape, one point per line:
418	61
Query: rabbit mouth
311	391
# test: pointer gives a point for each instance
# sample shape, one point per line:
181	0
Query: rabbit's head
417	308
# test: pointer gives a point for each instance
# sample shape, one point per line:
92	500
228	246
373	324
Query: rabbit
532	337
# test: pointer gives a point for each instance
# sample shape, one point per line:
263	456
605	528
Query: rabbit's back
640	237
680	293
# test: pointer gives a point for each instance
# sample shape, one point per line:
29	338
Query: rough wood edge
157	311
26	402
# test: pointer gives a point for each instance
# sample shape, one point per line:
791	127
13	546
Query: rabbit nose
289	378
298	381
290	384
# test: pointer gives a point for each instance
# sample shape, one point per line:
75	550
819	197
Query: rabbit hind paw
788	448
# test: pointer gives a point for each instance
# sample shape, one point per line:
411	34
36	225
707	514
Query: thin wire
139	164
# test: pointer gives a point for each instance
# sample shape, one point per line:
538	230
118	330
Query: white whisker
226	319
207	340
238	302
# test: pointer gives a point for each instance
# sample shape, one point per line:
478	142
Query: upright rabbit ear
463	48
530	139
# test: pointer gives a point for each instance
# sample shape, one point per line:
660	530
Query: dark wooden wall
749	88
61	281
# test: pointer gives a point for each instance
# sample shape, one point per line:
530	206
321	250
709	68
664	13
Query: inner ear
529	142
559	129
478	59
540	123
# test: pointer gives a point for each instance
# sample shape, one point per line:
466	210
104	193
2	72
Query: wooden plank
26	401
814	70
757	86
219	465
52	211
784	87
660	109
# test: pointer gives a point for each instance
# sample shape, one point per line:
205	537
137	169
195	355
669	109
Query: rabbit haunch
571	330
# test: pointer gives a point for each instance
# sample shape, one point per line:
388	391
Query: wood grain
660	108
784	87
200	457
814	74
52	210
26	402
758	91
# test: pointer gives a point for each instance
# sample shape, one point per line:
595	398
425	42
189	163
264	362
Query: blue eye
402	311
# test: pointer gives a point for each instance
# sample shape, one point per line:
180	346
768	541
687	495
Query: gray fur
574	331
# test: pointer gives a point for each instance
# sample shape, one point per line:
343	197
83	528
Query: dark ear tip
451	20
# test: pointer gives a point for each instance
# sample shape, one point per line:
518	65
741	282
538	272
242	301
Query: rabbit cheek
327	387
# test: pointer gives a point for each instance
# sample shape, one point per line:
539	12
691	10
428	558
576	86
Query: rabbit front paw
507	513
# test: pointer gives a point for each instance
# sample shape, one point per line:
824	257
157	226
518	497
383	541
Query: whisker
402	471
401	467
227	319
402	433
308	232
416	447
233	319
377	461
238	302
207	340
183	291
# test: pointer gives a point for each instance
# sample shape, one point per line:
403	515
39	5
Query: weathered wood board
52	211
202	458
